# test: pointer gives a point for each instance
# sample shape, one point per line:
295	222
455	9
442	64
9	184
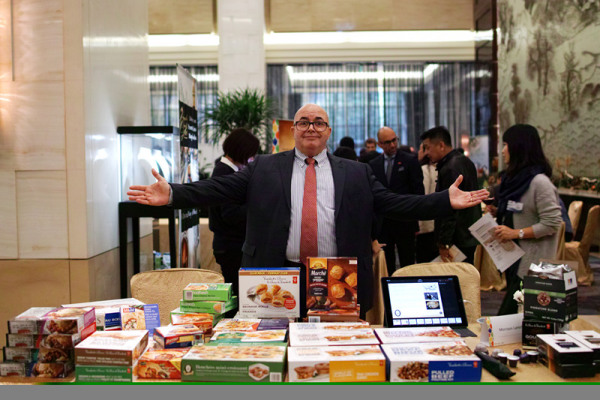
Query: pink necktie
309	245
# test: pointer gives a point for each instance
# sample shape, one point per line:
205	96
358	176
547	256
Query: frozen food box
104	373
411	335
238	325
108	312
207	291
173	336
334	315
36	369
43	354
269	324
331	333
331	283
269	292
140	317
66	320
278	335
160	364
111	348
20	354
202	321
336	364
13	369
53	341
432	362
211	307
235	362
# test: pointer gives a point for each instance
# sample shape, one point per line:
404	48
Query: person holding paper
528	206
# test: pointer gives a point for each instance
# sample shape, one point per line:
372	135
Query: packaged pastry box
211	307
104	373
43	354
160	364
411	335
336	364
140	317
566	356
36	369
334	315
279	335
108	312
237	325
53	341
65	320
235	362
331	334
111	348
432	362
269	292
207	291
202	321
331	283
174	336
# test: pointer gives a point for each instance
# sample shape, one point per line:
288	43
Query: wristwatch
521	233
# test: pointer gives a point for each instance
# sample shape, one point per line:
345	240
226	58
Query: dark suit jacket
407	178
265	187
227	221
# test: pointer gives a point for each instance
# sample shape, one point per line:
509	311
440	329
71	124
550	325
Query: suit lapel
286	165
339	178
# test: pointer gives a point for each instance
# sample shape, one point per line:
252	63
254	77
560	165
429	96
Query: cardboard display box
202	321
269	292
53	341
565	356
412	335
250	337
235	362
108	312
65	320
237	325
590	339
140	317
36	369
432	362
160	364
121	348
211	307
331	334
550	299
104	373
334	315
336	364
173	336
207	291
331	283
534	327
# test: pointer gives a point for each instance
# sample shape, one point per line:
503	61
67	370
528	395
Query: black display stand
135	211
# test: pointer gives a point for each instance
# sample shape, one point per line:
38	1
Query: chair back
375	314
591	225
560	249
575	214
490	277
165	287
468	276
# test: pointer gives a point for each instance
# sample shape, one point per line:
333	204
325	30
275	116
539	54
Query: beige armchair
165	287
575	214
375	314
468	277
490	277
580	251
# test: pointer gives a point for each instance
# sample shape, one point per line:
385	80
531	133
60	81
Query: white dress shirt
325	206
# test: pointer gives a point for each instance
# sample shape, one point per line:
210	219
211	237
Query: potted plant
247	108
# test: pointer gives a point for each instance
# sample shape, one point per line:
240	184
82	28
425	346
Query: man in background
400	172
453	229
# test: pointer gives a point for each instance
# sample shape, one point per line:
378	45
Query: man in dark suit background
400	172
272	187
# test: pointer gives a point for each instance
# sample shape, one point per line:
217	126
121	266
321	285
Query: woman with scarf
528	206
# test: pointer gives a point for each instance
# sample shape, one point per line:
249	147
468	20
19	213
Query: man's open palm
156	194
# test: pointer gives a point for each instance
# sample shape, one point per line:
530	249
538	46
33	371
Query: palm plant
247	108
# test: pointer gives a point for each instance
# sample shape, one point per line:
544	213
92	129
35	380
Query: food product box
331	283
108	312
566	356
269	292
411	335
550	299
250	337
104	373
202	321
590	339
331	333
111	348
336	364
235	362
173	336
67	320
269	324
13	369
334	315
140	317
211	307
237	325
20	354
534	327
42	354
53	341
432	362
36	369
207	291
160	364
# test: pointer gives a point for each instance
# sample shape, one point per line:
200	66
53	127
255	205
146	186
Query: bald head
307	108
387	140
311	142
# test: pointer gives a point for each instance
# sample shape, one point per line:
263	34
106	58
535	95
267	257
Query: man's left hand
460	199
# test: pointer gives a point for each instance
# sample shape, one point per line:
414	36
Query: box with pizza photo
269	292
411	335
331	333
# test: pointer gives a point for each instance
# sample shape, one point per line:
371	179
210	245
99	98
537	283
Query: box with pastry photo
275	335
336	364
269	292
112	348
160	364
210	307
63	320
331	334
331	283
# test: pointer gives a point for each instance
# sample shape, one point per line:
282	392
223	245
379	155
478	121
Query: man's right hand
156	194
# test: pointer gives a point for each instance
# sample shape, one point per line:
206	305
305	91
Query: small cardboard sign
500	330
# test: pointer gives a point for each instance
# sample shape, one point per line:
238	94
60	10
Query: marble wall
549	77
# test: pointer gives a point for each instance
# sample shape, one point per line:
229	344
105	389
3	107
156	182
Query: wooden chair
468	277
574	212
580	251
165	287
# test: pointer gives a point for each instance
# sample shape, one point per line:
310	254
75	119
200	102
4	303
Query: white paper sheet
457	255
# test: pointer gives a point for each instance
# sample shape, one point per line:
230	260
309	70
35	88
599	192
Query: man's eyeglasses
319	126
388	142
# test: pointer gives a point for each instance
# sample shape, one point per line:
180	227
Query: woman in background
228	222
528	206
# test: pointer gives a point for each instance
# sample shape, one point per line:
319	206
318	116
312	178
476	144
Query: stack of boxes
108	312
203	305
40	341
